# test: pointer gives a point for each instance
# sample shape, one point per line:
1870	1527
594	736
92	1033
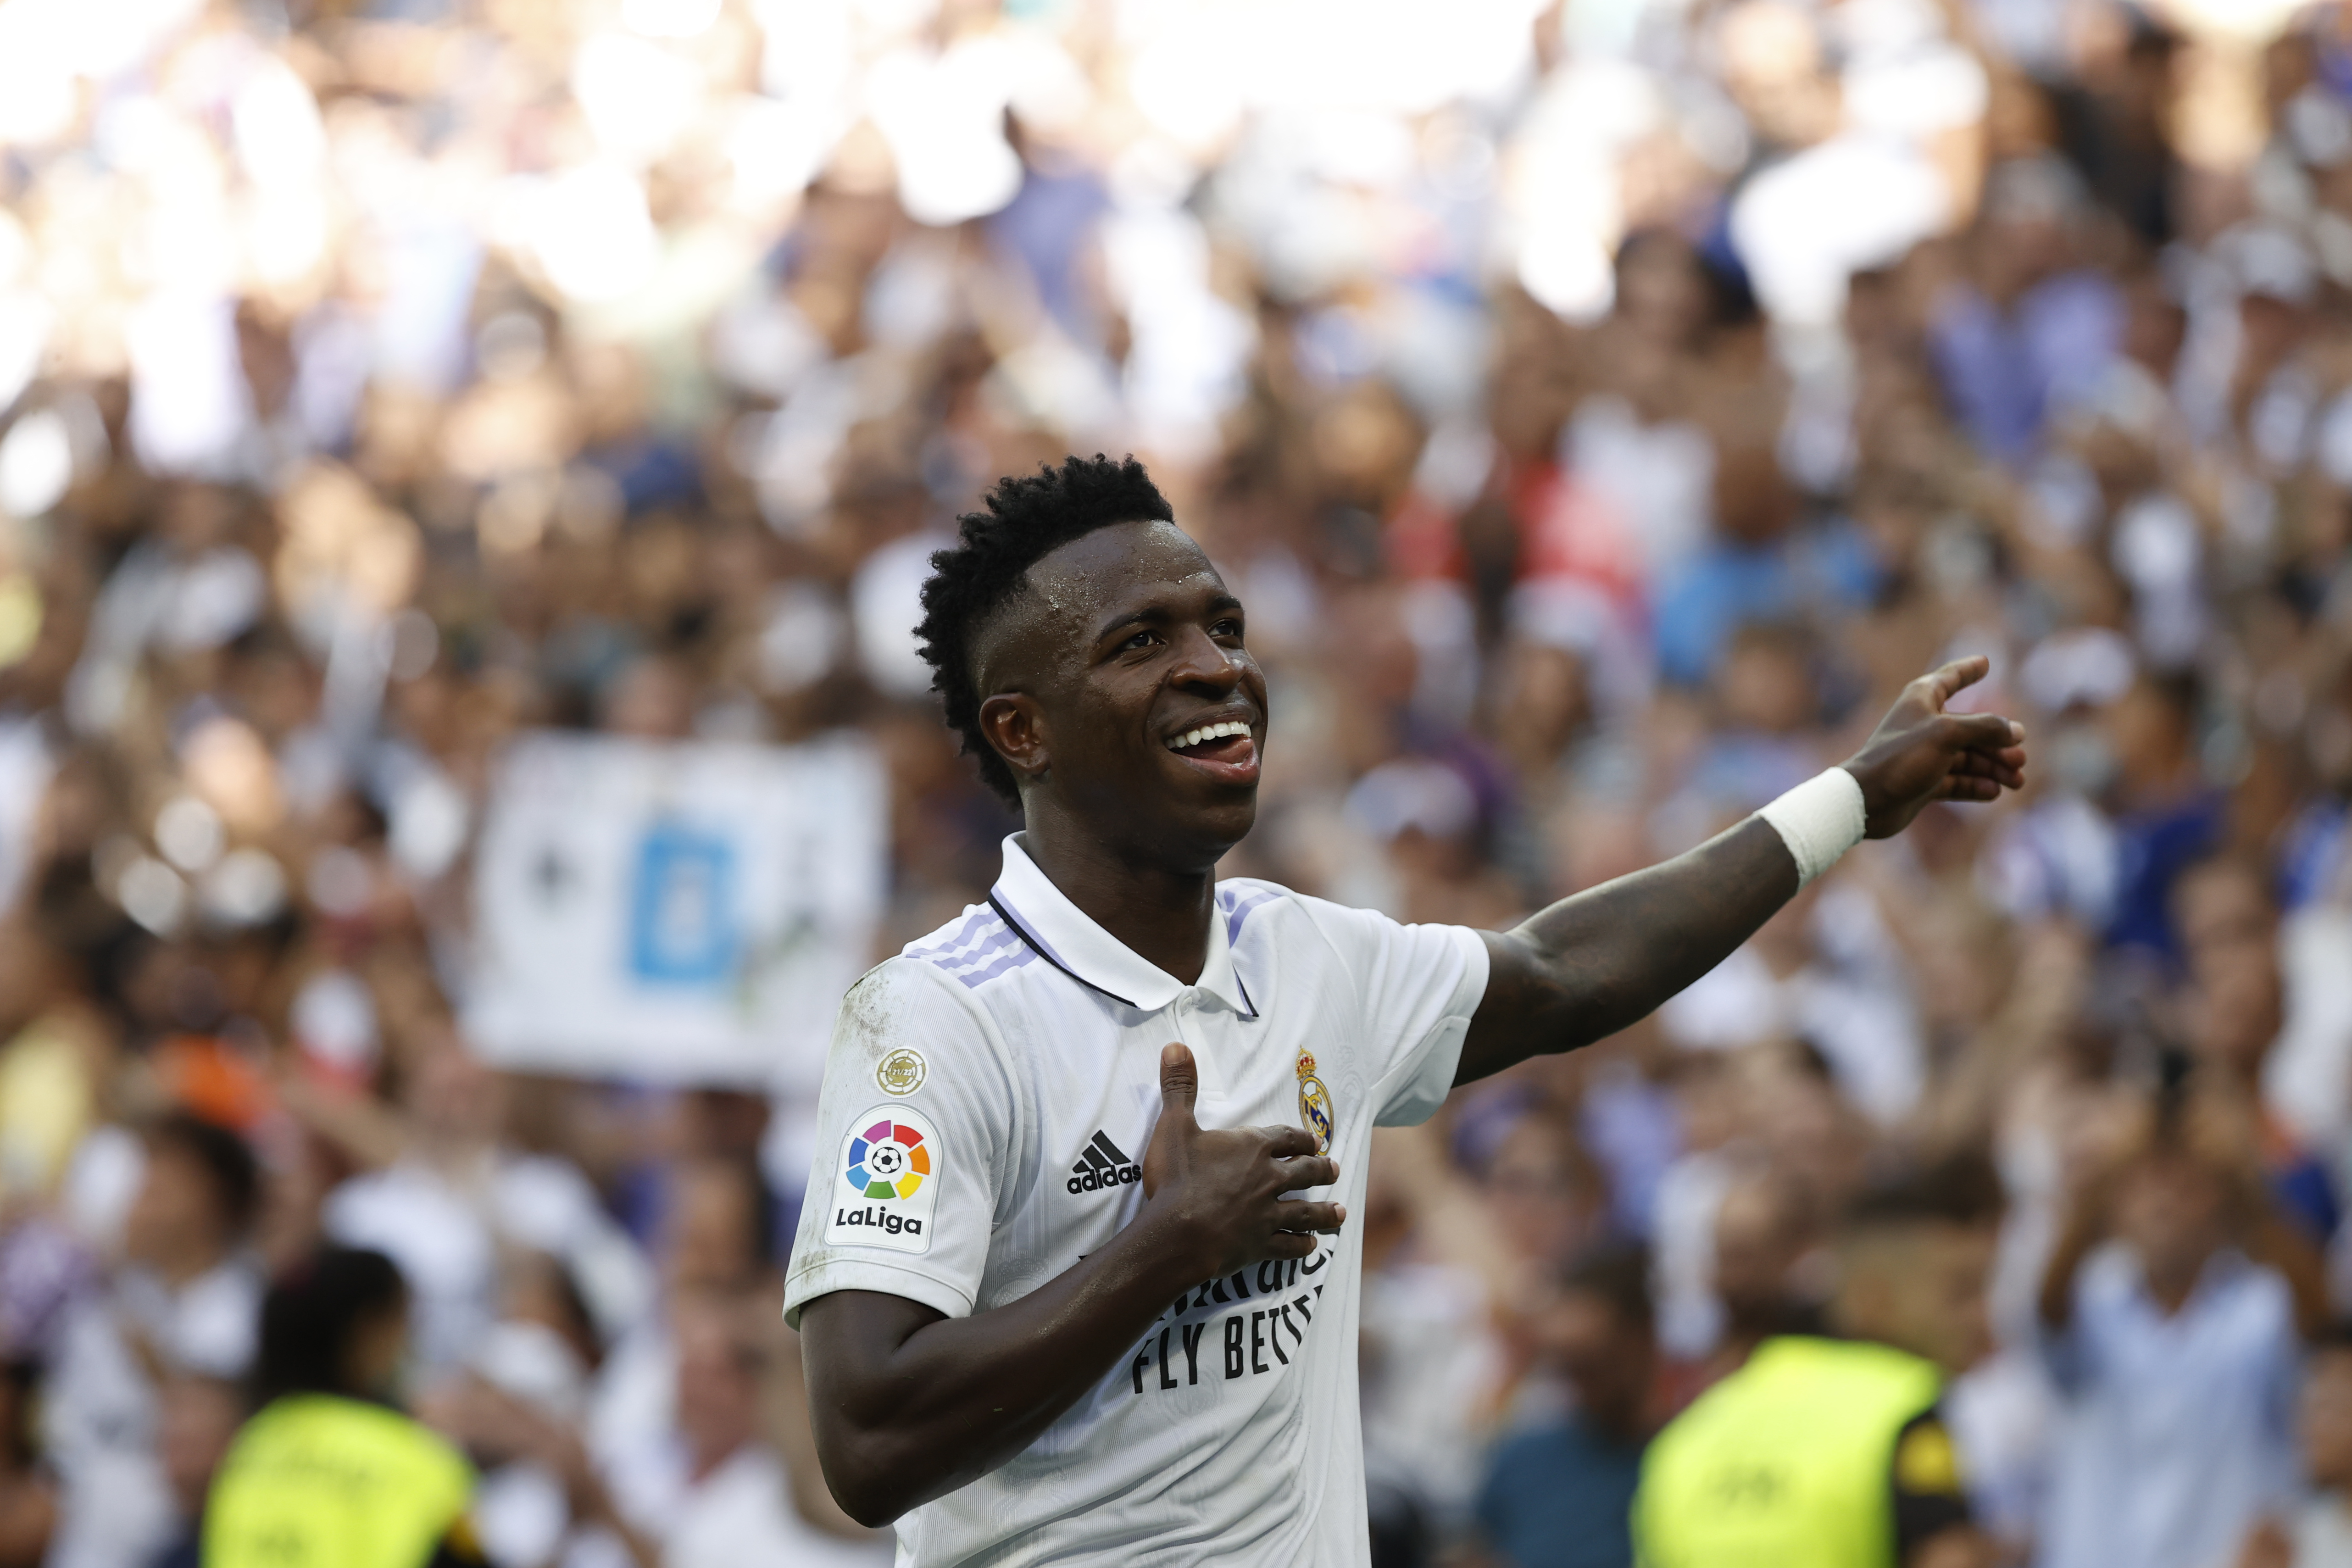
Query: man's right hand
909	1403
1218	1194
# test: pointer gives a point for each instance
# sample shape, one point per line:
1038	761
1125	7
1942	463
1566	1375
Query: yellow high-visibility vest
1787	1463
315	1481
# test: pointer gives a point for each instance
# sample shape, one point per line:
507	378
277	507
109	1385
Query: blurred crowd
1603	407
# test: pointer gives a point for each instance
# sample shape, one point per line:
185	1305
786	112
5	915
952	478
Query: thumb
1956	676
1179	1082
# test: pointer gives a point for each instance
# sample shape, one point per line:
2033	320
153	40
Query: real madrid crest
1314	1103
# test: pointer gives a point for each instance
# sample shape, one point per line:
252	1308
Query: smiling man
1072	1272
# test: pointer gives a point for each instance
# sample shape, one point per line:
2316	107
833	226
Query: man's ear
1010	723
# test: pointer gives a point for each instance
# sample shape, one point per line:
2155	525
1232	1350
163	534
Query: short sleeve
913	1124
1420	984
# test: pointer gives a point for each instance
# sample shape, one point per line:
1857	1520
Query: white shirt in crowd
1431	1367
101	1410
445	1231
2176	1433
989	1095
742	1516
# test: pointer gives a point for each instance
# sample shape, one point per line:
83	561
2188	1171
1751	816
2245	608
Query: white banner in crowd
684	912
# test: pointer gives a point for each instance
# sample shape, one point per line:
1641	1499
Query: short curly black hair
1027	518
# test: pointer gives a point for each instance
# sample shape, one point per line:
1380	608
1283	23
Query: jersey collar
1067	938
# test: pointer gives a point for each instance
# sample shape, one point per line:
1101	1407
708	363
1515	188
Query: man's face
709	1228
1609	1361
1542	1200
1758	1240
1922	1288
1123	644
2173	1213
717	1382
2235	1009
2221	906
178	1207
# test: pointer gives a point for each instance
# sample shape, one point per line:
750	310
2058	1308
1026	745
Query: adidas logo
1103	1165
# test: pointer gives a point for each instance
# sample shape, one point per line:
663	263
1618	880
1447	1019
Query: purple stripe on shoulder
959	937
1021	954
1240	909
984	952
971	954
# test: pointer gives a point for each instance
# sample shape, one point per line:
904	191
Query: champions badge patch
1314	1103
887	1181
901	1072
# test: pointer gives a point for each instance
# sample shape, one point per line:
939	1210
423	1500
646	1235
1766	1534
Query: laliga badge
1314	1103
888	1184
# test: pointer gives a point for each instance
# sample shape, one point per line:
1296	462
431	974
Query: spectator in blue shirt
1560	1493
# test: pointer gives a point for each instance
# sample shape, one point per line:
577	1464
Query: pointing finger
1984	732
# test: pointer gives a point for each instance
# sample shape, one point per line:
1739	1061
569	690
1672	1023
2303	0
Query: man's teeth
1190	738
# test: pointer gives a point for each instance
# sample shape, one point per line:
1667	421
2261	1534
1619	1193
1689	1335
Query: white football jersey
988	1099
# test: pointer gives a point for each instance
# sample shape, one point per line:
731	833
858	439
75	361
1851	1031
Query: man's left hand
1595	963
1920	753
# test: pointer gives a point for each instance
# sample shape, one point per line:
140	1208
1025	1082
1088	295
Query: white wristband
1818	820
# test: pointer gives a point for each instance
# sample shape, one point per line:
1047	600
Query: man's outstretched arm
1592	964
